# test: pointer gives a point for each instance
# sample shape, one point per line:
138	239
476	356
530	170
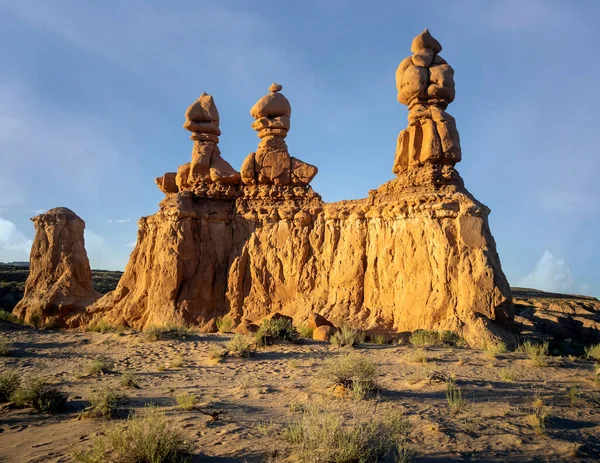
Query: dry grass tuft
151	438
418	356
456	402
305	331
593	352
536	352
347	337
99	366
103	404
39	394
242	346
508	374
494	350
9	383
5	348
224	324
129	380
354	372
186	401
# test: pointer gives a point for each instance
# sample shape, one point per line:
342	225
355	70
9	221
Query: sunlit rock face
417	253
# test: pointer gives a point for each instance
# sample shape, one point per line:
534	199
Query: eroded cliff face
59	285
417	253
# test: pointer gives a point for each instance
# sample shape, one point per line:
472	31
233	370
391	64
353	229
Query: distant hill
14	274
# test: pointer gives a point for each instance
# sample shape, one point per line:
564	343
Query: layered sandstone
59	285
417	253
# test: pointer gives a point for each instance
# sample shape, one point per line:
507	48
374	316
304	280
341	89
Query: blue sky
93	94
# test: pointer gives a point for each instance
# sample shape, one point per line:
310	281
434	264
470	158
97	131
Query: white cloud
550	274
566	201
14	245
119	221
132	244
102	254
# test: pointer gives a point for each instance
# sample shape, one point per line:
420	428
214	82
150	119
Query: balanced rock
59	285
272	163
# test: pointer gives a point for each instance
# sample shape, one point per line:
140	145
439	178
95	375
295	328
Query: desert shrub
218	353
129	380
9	383
177	362
153	333
508	374
450	338
495	349
224	324
10	317
424	338
36	320
327	436
104	403
381	338
242	346
186	401
275	330
347	337
38	393
99	366
539	419
454	397
355	372
177	330
573	393
305	331
593	352
418	356
4	348
151	438
104	327
536	352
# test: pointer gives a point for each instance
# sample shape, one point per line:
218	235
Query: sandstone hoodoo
59	285
417	253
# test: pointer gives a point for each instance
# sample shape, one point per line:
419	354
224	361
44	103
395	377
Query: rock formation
59	285
271	163
417	253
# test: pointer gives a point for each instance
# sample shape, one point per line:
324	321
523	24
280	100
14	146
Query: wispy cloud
102	253
119	221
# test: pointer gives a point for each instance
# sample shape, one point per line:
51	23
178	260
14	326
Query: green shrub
423	338
536	352
450	338
274	330
39	394
305	331
9	383
508	374
355	372
129	380
381	338
347	337
10	317
104	327
99	366
593	352
36	320
4	348
104	403
149	439
224	324
242	346
454	397
495	349
327	436
186	401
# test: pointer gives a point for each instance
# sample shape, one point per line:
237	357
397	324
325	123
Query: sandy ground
258	395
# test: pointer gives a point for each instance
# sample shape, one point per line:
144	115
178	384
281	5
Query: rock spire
272	163
59	285
425	83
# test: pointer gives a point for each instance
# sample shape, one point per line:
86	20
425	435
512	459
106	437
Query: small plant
305	331
296	407
537	353
573	393
39	394
423	338
508	374
10	317
293	364
593	352
347	337
456	402
539	419
129	380
99	366
241	345
355	372
275	330
9	383
4	348
495	349
147	439
104	327
153	333
186	401
450	338
419	356
161	367
336	439
36	320
103	404
177	362
224	324
218	354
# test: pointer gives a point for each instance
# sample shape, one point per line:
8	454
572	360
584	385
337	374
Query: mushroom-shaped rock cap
58	214
274	104
425	41
202	110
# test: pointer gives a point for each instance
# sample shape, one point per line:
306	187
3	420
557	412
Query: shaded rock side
59	285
